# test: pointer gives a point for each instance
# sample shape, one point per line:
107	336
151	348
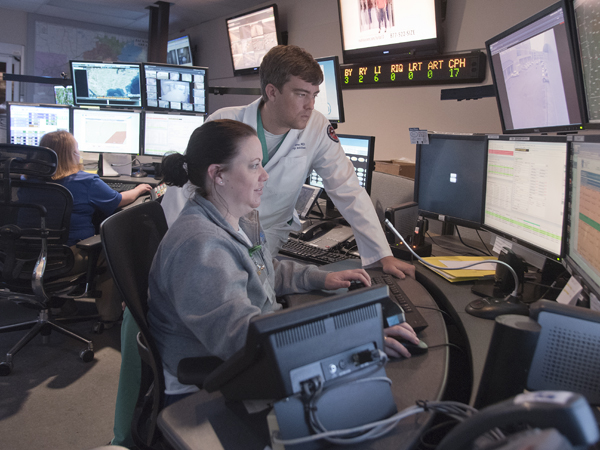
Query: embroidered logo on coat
331	134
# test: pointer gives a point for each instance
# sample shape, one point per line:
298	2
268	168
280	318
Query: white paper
501	243
451	264
570	292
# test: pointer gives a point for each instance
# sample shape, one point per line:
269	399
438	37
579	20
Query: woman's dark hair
215	142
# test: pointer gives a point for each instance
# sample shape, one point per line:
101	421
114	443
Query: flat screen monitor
63	95
107	130
179	51
583	248
450	178
401	28
360	150
585	15
535	75
116	84
314	340
170	87
27	123
168	132
251	35
526	190
329	102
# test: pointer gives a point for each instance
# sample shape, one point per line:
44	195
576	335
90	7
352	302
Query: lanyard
260	131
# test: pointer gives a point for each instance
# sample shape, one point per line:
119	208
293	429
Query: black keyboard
412	315
300	250
120	187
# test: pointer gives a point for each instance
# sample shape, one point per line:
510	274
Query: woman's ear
214	174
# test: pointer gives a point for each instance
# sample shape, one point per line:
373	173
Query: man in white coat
295	140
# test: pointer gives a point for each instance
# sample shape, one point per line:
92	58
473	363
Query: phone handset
569	413
315	228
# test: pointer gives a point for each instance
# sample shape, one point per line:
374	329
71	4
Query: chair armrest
195	370
90	243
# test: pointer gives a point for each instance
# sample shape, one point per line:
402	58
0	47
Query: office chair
35	262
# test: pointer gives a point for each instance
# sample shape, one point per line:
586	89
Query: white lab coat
300	153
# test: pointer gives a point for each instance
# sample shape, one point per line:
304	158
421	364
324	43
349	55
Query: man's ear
271	92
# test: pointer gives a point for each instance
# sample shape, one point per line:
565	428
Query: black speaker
508	360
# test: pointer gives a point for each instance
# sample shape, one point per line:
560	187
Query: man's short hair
284	61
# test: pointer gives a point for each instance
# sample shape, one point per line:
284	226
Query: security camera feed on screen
179	51
175	88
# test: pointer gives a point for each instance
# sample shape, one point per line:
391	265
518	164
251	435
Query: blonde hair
65	146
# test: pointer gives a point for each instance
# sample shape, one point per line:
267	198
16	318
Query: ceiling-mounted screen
179	51
251	36
382	30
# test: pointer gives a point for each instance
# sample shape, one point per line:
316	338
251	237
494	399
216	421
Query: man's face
294	103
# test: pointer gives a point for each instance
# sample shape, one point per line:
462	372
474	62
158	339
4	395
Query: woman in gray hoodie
212	272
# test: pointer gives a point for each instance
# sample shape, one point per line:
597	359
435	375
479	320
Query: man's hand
337	280
397	268
395	349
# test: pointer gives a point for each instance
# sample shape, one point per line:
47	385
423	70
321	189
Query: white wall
13	27
386	113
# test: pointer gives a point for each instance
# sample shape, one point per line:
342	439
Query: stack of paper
453	271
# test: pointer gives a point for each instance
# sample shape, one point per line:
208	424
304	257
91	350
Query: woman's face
241	186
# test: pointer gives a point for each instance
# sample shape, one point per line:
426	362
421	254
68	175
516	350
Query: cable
435	309
481	239
512	271
469	246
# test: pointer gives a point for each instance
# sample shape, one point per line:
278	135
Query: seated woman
90	193
212	272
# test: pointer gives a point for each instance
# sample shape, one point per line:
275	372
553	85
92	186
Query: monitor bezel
189	45
107	106
175	67
338	86
521	241
110	110
165	113
446	218
44	105
251	70
401	50
576	74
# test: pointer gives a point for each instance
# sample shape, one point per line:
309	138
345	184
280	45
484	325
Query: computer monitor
27	123
251	35
401	29
330	102
179	51
170	87
315	340
63	95
107	130
450	178
168	132
360	150
583	15
534	72
525	191
114	84
582	253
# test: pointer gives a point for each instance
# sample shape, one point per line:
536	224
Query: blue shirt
89	194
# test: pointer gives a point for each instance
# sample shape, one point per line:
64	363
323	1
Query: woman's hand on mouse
395	349
337	280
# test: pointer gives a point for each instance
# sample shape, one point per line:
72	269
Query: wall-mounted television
251	35
116	84
401	28
330	102
179	51
536	78
171	87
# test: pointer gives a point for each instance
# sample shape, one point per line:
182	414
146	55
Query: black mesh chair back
130	239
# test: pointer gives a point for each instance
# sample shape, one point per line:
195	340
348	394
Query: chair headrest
28	160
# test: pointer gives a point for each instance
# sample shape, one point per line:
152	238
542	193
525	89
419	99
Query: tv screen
63	95
329	102
525	191
450	178
399	28
534	72
107	130
168	132
360	150
251	36
27	123
106	84
179	51
170	87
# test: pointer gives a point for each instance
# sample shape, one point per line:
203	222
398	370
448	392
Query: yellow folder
472	273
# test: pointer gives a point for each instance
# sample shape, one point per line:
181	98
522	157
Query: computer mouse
355	284
414	349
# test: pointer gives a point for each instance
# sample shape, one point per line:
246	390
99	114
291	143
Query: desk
206	421
125	179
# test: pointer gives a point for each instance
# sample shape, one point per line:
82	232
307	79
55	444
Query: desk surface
206	418
125	179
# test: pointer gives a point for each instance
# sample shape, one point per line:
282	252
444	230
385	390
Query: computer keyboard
119	186
412	315
300	250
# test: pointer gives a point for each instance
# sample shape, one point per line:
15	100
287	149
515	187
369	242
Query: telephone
567	412
326	234
318	227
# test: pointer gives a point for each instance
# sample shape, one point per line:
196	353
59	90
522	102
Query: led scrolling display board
442	69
